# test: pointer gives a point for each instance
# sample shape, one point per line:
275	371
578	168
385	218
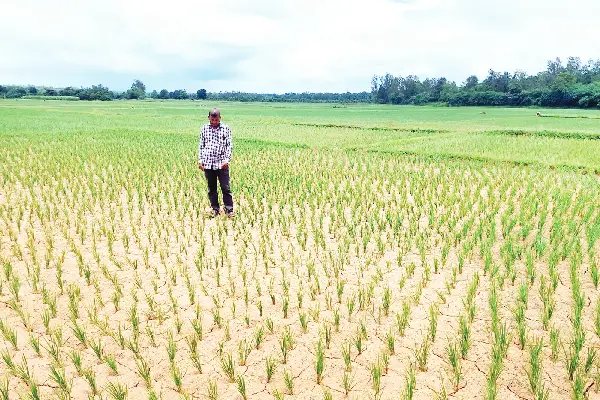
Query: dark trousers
212	175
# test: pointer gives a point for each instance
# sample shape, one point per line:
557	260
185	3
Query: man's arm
228	148
200	148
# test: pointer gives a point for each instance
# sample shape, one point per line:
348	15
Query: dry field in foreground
344	274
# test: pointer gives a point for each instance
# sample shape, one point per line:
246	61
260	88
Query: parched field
377	252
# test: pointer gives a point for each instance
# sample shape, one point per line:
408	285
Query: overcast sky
279	46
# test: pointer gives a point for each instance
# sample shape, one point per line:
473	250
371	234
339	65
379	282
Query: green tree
179	94
201	94
16	92
471	82
140	85
137	90
164	94
563	81
69	91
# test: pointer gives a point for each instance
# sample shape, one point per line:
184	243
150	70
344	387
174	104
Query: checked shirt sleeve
228	146
201	145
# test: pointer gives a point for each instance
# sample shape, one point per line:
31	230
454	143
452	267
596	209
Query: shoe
214	213
230	214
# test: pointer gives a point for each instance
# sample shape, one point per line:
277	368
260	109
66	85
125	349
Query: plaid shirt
215	146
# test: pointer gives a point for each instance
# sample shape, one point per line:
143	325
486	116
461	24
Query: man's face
215	119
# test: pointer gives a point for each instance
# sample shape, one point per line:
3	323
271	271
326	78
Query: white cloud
282	46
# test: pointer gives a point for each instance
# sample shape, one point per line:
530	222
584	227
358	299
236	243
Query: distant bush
67	98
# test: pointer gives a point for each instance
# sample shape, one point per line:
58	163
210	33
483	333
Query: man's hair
214	112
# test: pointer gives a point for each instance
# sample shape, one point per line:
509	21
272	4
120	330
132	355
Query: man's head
214	117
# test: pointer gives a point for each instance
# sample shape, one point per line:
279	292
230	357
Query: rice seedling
111	362
271	366
143	370
116	391
571	361
241	386
258	337
403	319
320	361
90	376
10	334
58	376
454	357
213	393
79	333
97	347
441	394
589	361
35	344
243	351
347	382
464	337
554	343
288	379
385	362
433	316
304	322
4	388
286	343
346	348
76	360
578	386
422	354
534	370
521	327
171	347
269	324
410	383
359	342
390	341
227	366
376	378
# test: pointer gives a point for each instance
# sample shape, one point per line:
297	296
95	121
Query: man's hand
201	166
225	165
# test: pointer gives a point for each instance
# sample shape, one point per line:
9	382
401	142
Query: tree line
138	92
570	84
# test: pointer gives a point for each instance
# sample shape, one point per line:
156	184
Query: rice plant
534	370
58	376
143	370
390	341
288	378
213	393
241	386
227	366
271	366
410	384
111	362
320	361
376	378
116	391
454	357
554	343
464	337
422	354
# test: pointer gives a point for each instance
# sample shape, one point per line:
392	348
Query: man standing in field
214	155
